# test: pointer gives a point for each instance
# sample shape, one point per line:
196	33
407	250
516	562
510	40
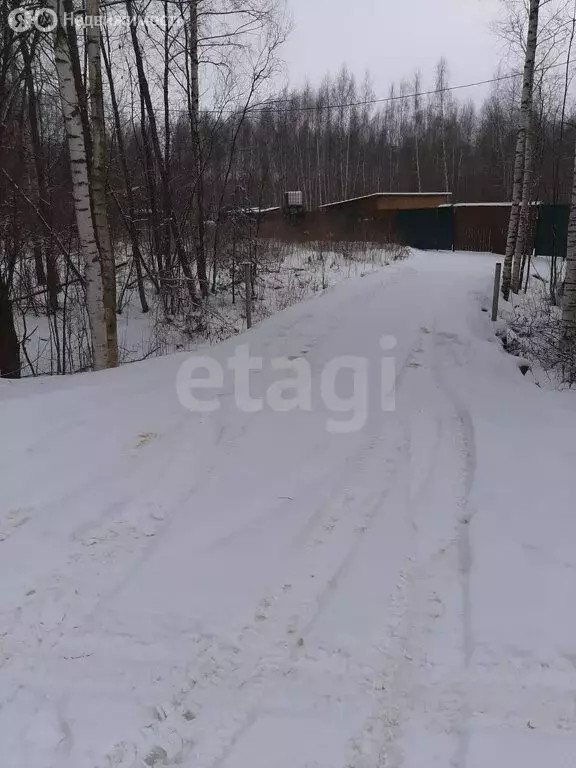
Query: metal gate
552	230
426	228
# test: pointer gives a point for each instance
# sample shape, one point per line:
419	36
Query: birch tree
519	158
98	178
524	220
69	98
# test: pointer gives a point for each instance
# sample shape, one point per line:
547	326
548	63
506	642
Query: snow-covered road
252	590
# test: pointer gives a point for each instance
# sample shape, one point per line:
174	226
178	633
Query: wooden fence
466	227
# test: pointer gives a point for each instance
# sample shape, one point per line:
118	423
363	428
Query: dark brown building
370	217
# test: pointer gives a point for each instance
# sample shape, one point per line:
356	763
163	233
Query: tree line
137	154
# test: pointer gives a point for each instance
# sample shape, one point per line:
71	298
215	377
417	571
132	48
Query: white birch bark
524	220
525	109
81	195
98	179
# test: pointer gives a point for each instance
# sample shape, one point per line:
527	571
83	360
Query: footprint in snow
14	519
144	438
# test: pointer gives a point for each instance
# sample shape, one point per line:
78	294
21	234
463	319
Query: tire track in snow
120	527
270	645
396	728
291	610
217	667
447	351
340	548
230	437
435	504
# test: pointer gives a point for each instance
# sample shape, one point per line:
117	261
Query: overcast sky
392	39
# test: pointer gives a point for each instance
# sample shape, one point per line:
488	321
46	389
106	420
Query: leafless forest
133	156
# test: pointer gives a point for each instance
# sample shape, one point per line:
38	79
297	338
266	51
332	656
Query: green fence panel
426	228
445	241
552	230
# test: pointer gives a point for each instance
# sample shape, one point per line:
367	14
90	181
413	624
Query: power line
399	97
263	107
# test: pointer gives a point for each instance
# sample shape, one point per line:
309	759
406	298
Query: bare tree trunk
162	265
98	178
417	120
525	109
524	223
166	199
9	346
319	200
256	77
81	195
555	184
52	277
136	252
441	85
347	166
194	107
147	99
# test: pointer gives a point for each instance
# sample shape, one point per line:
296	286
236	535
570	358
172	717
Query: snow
387	194
270	209
287	273
530	325
247	590
480	205
475	205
